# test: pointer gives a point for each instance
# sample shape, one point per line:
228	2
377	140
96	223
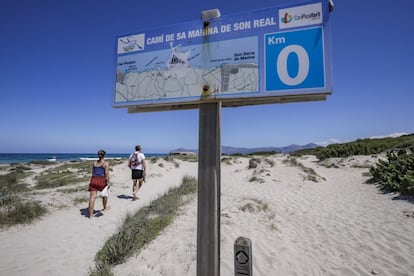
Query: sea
21	158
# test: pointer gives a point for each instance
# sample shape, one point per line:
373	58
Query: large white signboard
277	54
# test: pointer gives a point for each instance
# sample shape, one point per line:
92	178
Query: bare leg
135	189
92	198
104	203
141	181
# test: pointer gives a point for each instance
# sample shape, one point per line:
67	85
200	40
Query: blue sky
57	78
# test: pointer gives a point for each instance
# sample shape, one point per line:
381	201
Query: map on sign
231	67
263	56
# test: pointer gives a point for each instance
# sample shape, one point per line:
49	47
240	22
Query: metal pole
208	214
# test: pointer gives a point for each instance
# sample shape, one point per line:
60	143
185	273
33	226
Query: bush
396	174
253	163
361	147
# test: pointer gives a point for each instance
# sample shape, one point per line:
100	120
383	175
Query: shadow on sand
85	212
125	197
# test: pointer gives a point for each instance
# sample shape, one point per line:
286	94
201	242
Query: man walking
138	168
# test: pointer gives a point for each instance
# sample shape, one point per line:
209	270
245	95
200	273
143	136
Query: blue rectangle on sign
294	60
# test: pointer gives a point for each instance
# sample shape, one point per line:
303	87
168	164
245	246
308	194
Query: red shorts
97	183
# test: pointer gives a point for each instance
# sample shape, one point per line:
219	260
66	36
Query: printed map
182	72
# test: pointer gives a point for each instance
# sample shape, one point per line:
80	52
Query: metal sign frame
266	56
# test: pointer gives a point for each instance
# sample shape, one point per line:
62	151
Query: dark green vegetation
395	174
262	153
142	227
362	147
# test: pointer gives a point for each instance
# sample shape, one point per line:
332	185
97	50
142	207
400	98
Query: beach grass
68	173
310	173
256	179
227	160
256	205
182	157
11	186
63	175
12	209
79	200
21	213
142	227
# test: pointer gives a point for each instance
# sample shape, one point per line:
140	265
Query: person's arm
144	165
107	172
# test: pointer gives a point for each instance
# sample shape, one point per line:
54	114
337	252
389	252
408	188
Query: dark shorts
137	174
97	183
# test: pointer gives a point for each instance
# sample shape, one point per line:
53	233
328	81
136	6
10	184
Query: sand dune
336	226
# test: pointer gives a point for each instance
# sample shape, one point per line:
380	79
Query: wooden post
208	214
243	258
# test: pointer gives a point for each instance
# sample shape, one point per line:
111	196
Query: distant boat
52	159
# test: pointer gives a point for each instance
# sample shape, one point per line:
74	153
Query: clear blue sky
57	72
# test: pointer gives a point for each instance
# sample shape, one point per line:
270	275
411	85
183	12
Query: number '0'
303	65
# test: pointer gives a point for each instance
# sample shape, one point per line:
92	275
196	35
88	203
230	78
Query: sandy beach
331	224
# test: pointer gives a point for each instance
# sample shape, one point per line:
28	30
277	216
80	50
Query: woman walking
99	180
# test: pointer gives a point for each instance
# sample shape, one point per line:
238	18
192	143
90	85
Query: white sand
337	226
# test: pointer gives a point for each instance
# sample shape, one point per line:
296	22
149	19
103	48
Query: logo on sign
286	18
131	43
301	16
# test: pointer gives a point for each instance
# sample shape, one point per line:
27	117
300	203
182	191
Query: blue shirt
98	171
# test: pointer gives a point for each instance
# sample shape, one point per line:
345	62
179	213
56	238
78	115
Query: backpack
134	160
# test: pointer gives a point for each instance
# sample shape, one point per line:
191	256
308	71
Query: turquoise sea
9	158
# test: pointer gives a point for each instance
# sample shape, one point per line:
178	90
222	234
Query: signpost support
208	214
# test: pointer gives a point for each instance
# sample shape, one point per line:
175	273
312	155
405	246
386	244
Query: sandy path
65	242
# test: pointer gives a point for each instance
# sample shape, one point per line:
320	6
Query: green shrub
395	174
362	147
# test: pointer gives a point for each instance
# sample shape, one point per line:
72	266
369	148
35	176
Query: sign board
272	55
